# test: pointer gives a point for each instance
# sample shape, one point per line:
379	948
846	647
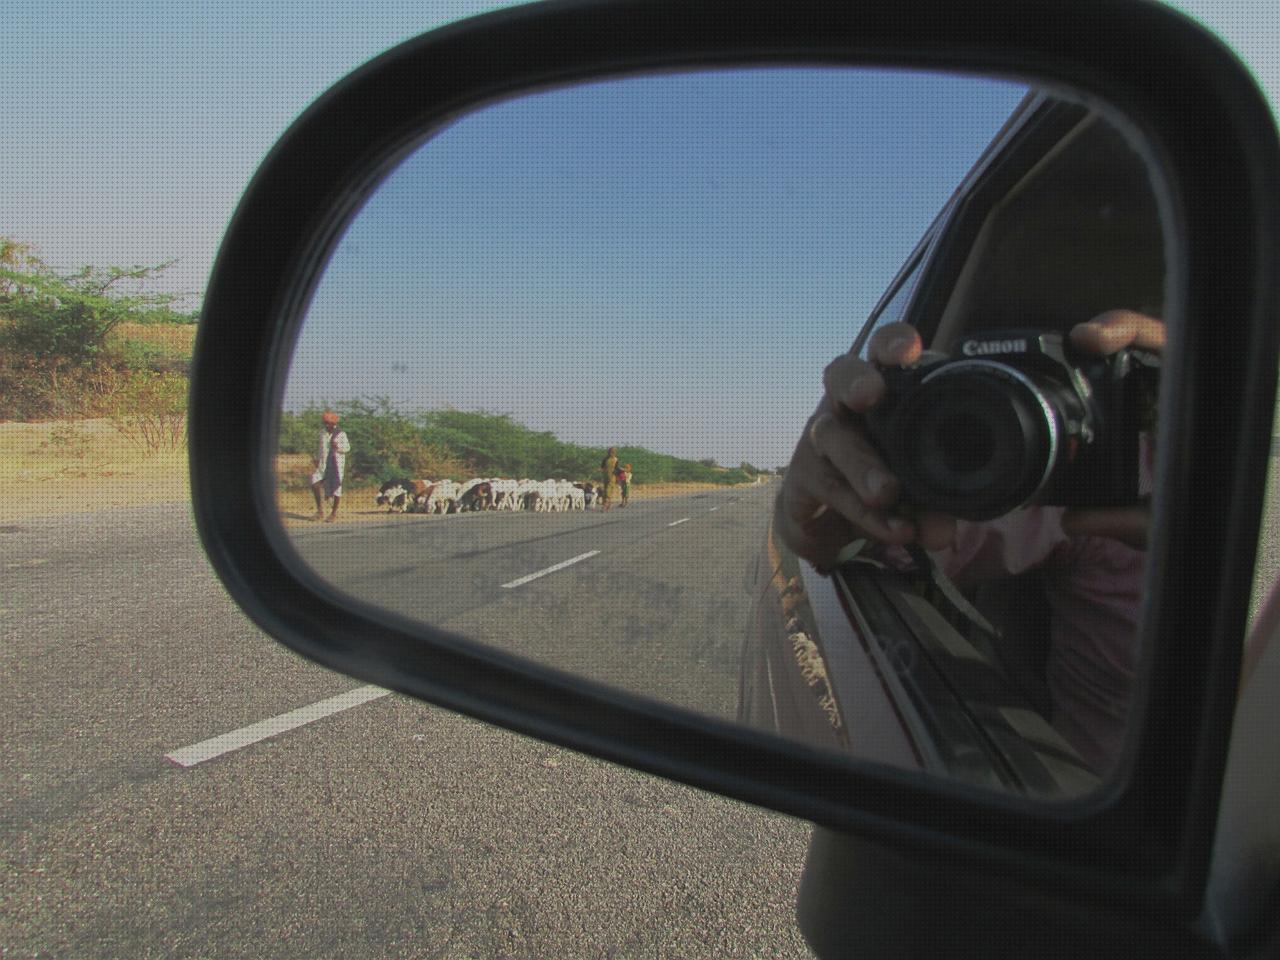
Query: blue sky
132	128
664	261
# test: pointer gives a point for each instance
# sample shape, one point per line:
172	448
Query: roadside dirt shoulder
78	466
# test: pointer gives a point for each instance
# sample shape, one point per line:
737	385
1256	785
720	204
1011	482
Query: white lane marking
676	523
552	569
273	726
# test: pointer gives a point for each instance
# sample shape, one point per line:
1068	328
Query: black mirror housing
1144	841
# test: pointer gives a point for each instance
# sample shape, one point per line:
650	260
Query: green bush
55	361
164	314
387	444
47	314
138	355
384	443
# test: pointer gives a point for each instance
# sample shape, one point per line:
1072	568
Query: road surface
387	829
655	598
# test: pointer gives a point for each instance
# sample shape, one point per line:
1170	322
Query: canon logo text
979	348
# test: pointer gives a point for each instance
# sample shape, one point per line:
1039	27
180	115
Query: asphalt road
655	598
390	829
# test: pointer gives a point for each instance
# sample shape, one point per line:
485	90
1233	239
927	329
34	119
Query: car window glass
895	309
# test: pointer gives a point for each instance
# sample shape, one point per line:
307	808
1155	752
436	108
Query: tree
65	318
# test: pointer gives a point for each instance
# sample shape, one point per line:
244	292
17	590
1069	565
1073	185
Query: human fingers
802	520
852	384
844	447
895	345
856	384
1116	329
818	540
814	487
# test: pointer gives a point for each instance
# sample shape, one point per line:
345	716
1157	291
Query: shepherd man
331	465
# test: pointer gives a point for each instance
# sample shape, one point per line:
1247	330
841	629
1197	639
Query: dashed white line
272	726
552	569
676	523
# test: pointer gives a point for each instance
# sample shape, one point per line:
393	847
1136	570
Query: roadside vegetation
93	343
94	367
389	444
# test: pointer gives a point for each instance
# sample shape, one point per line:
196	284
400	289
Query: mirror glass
572	342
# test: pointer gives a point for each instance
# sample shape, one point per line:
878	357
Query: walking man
331	464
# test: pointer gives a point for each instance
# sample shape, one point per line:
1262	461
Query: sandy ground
79	466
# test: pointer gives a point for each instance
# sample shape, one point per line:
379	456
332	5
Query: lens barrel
977	439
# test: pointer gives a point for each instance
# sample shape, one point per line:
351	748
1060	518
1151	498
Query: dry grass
73	466
293	469
177	339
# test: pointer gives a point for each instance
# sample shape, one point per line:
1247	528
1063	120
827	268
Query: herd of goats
448	496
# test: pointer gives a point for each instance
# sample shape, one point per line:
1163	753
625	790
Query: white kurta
341	446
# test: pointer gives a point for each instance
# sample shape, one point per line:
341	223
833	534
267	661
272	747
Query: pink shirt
1094	590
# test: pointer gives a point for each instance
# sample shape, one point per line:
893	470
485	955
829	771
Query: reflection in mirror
569	355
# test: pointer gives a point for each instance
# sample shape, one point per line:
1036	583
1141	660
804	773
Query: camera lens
965	444
976	439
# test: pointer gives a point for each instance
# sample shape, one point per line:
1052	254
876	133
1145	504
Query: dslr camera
1010	418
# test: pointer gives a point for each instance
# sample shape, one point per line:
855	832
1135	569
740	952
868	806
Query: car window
895	307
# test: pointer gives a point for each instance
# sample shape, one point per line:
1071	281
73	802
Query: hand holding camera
906	442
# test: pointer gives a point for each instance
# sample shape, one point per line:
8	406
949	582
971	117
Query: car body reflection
872	662
886	659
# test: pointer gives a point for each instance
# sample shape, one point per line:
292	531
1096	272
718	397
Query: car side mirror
1140	836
